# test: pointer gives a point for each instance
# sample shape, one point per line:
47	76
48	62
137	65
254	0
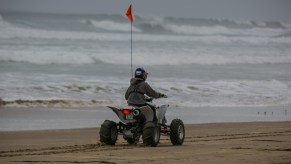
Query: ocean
196	62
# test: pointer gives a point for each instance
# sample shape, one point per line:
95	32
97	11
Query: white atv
141	121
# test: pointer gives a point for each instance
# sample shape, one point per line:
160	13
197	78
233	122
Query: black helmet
141	73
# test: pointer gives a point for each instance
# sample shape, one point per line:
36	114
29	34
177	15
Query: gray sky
271	10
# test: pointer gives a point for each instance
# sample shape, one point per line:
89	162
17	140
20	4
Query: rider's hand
163	95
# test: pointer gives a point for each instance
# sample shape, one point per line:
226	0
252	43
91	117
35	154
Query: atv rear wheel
108	132
151	134
177	132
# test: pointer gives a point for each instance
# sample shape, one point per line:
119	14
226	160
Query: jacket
136	91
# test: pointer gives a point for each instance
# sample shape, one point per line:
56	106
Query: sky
265	10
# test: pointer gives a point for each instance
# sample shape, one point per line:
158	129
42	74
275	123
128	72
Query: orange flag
129	14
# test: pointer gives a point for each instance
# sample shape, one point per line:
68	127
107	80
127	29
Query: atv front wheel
177	132
151	134
108	132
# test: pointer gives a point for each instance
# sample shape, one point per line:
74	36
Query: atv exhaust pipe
136	112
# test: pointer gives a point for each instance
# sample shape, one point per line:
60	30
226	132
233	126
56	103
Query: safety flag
129	14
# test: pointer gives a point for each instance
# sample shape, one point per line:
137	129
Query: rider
135	94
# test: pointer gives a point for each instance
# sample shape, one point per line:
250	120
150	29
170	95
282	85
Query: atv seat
152	106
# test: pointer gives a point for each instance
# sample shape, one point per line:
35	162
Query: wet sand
256	142
44	118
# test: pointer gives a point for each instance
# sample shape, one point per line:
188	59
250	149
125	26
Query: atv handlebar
165	96
150	99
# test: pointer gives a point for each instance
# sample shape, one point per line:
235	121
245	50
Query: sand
259	142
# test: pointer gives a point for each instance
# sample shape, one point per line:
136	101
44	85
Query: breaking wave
111	25
153	57
171	26
286	34
57	103
181	93
159	41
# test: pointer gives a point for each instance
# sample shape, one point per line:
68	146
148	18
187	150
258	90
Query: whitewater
196	62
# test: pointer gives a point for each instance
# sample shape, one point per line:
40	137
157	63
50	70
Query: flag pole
130	17
131	49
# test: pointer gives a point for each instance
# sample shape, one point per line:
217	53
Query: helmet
141	73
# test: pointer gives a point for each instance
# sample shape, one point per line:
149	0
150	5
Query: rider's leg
155	119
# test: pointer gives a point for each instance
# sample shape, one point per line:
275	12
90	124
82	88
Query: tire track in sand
235	136
101	147
63	149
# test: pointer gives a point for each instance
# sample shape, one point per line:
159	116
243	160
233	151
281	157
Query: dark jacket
136	91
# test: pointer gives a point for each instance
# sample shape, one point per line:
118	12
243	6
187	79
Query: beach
213	135
228	80
255	142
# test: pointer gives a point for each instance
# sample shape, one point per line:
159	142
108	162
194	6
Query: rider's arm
152	93
126	94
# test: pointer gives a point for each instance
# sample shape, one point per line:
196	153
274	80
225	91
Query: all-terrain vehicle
142	121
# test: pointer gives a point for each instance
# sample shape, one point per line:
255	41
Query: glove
163	95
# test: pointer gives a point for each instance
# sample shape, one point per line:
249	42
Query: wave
63	103
216	29
159	41
152	56
110	25
286	34
180	92
3	23
48	57
205	34
263	24
77	27
237	93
